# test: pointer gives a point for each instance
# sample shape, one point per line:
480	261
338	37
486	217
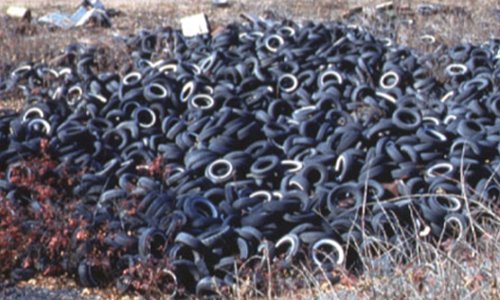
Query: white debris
19	12
194	25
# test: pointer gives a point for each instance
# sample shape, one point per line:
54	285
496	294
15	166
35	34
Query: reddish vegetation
44	230
147	278
51	226
39	223
59	235
155	168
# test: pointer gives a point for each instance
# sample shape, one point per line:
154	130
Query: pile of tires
286	142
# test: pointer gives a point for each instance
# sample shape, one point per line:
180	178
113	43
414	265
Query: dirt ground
453	22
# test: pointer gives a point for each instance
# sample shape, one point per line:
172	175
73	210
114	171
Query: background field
455	22
466	269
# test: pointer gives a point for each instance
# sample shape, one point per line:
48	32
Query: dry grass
450	270
459	21
465	269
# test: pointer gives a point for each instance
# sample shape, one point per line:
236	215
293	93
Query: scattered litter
195	25
220	3
19	12
99	15
428	9
353	11
94	3
389	5
89	10
56	19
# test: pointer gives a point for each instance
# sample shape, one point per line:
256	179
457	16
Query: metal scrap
88	10
220	3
